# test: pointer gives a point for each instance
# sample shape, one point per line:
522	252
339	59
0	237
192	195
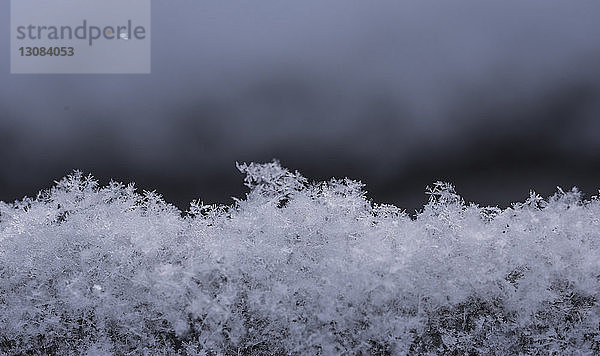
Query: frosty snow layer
296	268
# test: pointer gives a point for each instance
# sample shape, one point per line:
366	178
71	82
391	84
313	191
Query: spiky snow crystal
296	268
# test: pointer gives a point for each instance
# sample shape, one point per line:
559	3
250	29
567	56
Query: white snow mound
296	268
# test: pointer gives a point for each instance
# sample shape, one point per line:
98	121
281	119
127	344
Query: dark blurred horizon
495	98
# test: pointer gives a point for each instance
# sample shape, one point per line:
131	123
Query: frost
296	268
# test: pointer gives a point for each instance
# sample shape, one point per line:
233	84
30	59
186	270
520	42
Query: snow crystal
296	268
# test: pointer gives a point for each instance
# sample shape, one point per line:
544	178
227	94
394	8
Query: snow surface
296	268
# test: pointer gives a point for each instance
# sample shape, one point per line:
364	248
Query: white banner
80	36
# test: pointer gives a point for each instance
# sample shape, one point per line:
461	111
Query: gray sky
495	96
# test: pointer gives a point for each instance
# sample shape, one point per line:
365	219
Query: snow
296	267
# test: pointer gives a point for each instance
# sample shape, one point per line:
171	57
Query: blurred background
496	97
